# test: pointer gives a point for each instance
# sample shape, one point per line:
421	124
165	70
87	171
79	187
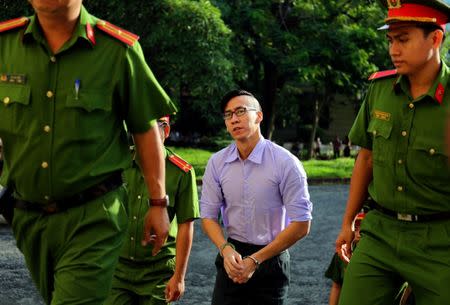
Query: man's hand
156	228
249	268
343	243
232	262
174	289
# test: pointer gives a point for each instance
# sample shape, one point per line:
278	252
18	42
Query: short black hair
232	94
429	28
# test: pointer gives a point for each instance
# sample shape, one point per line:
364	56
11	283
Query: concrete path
310	257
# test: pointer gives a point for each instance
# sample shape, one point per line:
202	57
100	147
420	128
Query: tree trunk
315	124
269	98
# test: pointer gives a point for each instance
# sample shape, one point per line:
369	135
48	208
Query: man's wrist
255	261
163	202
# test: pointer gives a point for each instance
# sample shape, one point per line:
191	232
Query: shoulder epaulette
13	24
382	74
180	163
118	33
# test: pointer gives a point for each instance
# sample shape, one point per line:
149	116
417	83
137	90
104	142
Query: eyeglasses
240	111
162	124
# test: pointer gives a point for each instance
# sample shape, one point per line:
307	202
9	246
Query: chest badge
381	115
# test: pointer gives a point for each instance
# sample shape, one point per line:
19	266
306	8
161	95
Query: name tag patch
381	115
13	78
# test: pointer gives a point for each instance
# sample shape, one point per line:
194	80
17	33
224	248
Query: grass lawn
338	168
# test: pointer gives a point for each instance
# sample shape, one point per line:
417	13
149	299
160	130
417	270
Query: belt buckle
51	208
405	217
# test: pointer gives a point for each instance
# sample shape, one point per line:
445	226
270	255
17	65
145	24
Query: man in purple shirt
261	191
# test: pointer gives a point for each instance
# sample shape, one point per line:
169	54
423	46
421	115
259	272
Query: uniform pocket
381	132
14	102
428	158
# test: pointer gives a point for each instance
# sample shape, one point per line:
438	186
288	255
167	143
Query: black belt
56	206
409	217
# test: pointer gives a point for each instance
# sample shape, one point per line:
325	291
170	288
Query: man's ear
438	38
259	117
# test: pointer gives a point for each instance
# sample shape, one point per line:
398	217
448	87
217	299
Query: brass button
53	59
400	188
374	132
139	197
132	238
400	161
432	151
6	100
404	133
132	258
47	128
49	94
44	164
134	217
47	197
411	106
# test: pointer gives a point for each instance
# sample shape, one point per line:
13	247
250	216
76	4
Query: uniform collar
255	156
436	91
84	30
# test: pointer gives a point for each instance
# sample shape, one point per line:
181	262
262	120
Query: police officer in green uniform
68	80
140	278
403	162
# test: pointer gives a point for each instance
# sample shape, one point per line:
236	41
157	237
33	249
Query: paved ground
310	257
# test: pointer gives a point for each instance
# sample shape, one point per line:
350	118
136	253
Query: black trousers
268	285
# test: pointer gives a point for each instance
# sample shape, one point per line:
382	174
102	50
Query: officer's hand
232	262
174	289
249	268
156	228
343	243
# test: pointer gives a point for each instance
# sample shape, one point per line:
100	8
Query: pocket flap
379	128
10	94
90	100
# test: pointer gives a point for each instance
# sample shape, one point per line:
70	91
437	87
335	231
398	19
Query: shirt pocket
87	115
14	107
428	158
381	134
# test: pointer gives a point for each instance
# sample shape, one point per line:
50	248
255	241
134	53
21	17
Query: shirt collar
436	91
83	30
255	156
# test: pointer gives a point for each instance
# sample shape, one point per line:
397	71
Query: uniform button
53	59
411	106
132	257
49	94
47	197
432	151
374	132
404	133
47	128
6	100
132	238
139	197
400	188
400	161
44	164
134	217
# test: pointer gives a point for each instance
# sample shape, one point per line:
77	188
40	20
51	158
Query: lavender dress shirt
258	197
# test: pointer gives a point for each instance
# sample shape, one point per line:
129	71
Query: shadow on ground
310	258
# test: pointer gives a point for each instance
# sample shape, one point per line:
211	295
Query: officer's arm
361	178
448	137
151	156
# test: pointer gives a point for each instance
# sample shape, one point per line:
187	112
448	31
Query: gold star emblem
394	4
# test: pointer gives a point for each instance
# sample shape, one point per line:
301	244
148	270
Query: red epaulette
183	165
382	74
13	23
118	33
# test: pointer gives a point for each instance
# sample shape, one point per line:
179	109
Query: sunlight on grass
338	168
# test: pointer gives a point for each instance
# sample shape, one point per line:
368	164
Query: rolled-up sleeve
294	191
211	199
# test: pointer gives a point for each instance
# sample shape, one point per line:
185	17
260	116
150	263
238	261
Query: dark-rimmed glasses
240	111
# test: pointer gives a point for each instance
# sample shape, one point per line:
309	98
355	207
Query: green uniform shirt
182	190
406	137
59	140
336	269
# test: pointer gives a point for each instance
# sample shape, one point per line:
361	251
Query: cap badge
394	4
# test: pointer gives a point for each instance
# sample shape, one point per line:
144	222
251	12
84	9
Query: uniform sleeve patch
382	74
180	163
13	23
117	32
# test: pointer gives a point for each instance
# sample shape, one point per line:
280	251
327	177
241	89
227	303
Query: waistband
409	217
56	206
